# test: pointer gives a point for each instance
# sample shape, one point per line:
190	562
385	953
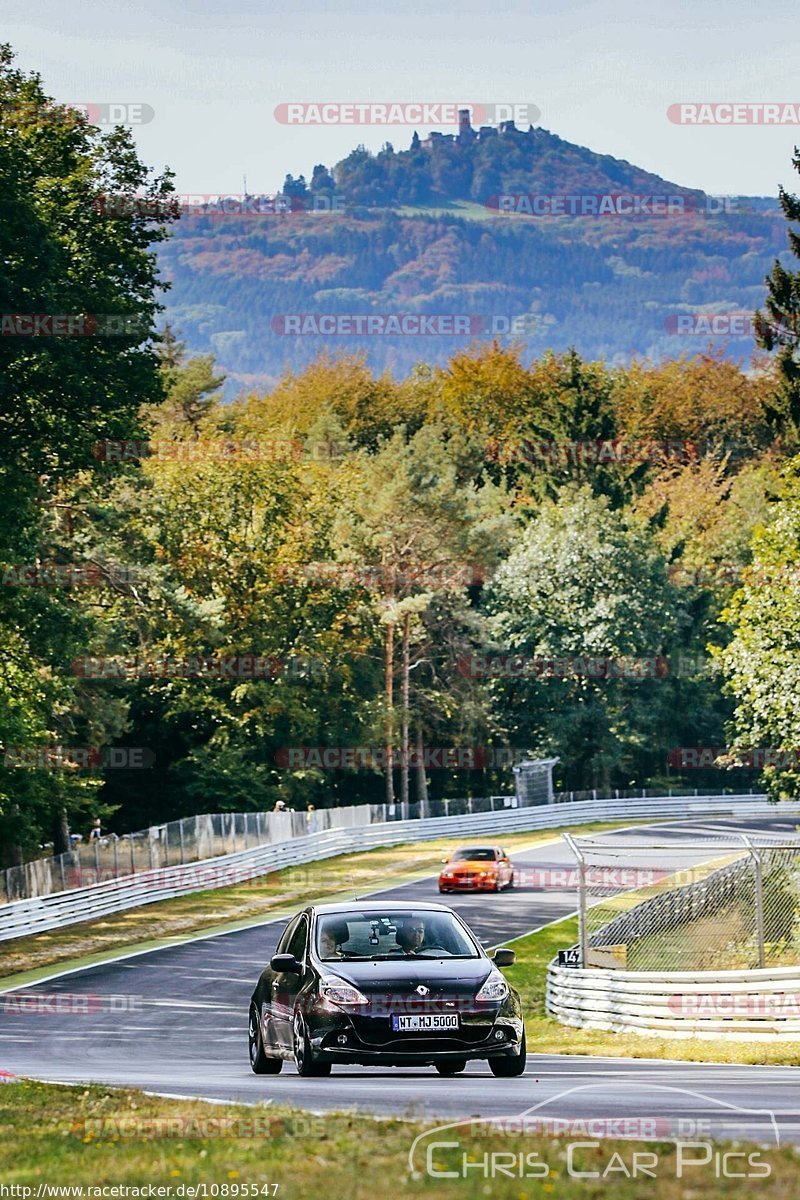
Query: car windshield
396	935
475	854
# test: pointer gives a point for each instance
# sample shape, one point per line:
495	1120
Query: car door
268	1021
504	869
287	984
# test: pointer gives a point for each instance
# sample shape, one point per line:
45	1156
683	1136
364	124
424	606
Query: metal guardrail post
583	940
759	896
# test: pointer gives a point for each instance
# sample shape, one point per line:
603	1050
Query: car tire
260	1063
303	1059
455	1067
510	883
509	1068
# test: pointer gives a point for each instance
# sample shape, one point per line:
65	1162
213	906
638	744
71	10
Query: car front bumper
346	1044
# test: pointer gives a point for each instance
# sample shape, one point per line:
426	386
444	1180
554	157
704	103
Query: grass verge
73	1137
548	1036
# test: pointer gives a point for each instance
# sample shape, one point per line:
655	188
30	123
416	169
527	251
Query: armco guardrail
22	917
759	1005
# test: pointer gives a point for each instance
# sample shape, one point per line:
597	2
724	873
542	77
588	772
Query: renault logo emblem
422	990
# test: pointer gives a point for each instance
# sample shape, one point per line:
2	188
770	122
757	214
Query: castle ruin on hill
466	134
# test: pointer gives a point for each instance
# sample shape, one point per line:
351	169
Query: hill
508	233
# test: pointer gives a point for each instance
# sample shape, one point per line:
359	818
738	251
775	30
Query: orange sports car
477	868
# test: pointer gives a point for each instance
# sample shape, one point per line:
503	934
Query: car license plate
424	1023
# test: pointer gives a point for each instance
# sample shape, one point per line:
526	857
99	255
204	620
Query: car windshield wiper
438	954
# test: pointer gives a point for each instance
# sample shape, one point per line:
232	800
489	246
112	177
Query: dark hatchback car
381	984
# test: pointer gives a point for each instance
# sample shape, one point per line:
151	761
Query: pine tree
780	328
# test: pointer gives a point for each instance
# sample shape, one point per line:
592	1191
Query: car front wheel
302	1051
260	1063
509	1068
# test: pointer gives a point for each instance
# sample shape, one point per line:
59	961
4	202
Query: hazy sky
602	75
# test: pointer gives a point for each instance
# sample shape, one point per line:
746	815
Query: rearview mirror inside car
504	958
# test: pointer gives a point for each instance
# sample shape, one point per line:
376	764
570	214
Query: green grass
93	1137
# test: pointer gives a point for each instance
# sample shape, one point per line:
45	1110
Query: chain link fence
730	902
195	839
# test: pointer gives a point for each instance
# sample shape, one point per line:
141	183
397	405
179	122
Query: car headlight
342	994
495	987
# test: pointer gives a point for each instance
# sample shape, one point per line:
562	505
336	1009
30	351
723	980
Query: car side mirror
504	957
445	860
286	964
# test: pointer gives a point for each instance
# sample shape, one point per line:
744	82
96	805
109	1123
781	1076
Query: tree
322	181
295	187
170	350
70	251
761	664
192	393
426	529
584	585
780	329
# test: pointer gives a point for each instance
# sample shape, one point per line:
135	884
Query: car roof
355	906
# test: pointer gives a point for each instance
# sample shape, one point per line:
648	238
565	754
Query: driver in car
410	935
331	938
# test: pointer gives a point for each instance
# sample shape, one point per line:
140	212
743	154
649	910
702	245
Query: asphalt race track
173	1021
